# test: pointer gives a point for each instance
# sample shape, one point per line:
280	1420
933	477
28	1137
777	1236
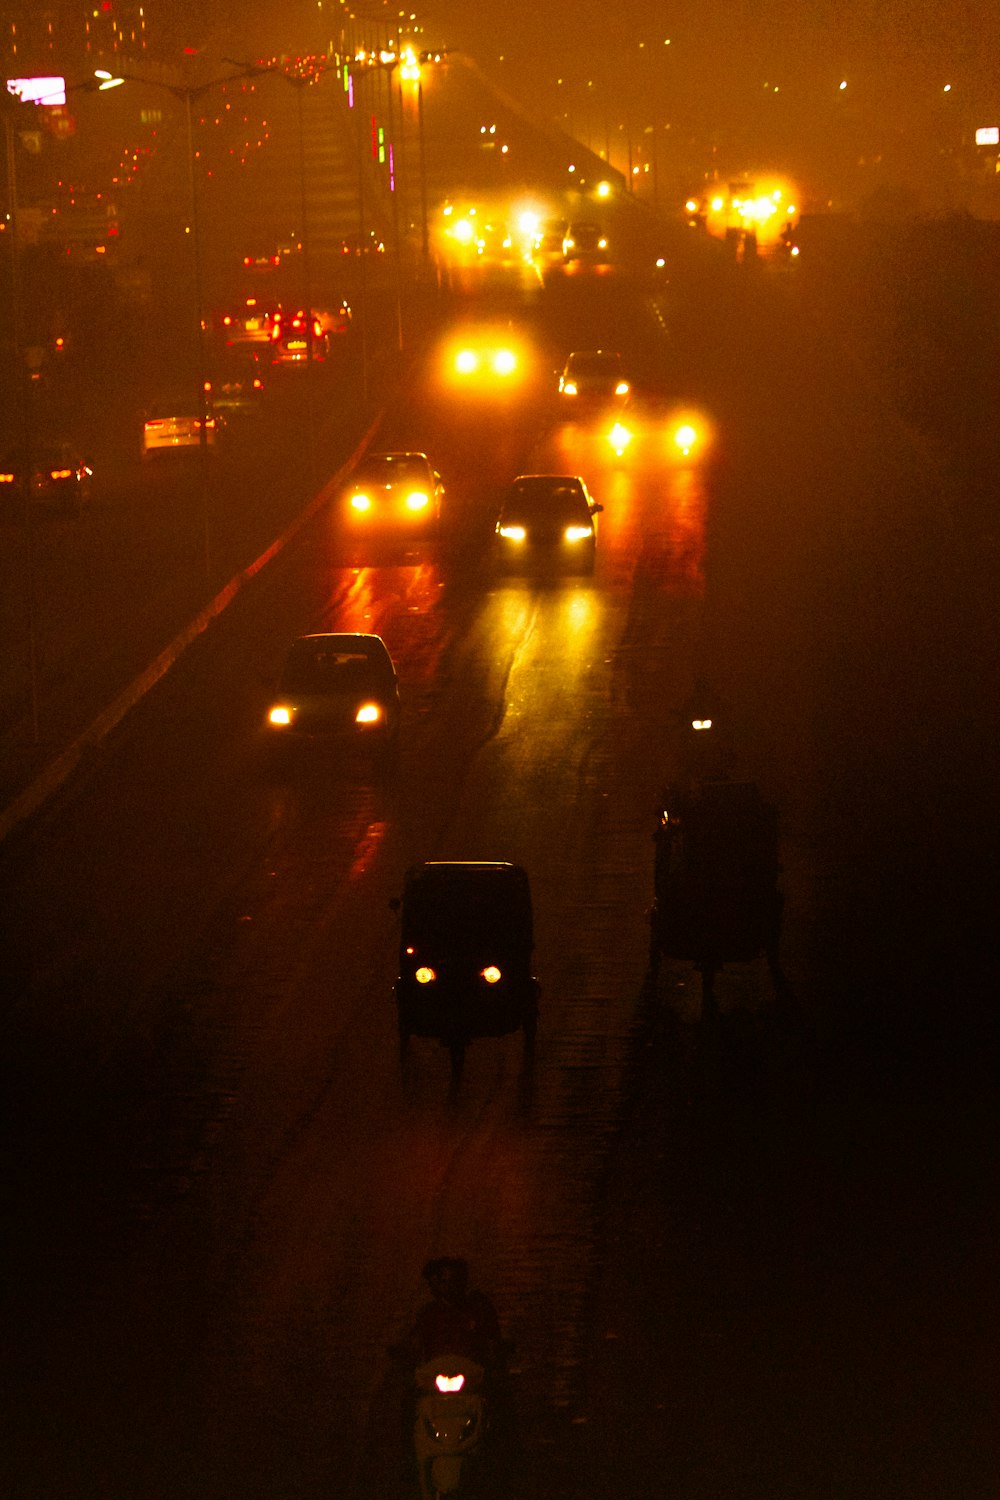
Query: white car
174	426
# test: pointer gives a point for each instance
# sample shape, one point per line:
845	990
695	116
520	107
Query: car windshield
392	468
558	498
323	669
467	908
595	364
183	409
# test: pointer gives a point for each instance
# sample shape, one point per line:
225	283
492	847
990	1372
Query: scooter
451	1424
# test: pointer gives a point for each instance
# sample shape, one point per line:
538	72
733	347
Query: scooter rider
458	1320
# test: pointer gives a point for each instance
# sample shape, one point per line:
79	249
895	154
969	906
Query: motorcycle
451	1424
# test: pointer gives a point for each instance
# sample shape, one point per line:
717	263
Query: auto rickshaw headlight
491	974
424	975
280	716
368	713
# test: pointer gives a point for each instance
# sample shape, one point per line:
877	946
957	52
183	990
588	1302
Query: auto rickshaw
716	897
465	945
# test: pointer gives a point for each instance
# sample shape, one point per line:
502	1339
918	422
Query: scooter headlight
425	975
491	974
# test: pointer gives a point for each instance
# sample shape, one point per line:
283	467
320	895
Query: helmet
447	1276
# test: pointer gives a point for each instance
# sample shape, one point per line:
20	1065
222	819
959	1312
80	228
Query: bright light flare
620	437
688	435
481	361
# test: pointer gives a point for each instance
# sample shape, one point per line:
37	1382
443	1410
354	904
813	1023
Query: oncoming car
548	519
585	241
593	375
395	493
336	689
488	362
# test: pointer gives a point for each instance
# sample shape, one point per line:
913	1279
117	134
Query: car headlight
569	388
417	500
491	974
368	713
467	361
424	975
512	533
280	716
361	502
578	533
504	362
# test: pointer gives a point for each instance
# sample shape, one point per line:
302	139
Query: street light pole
195	229
24	419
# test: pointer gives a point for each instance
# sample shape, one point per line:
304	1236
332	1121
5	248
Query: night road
751	1258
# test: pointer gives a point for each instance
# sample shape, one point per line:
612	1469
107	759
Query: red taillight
449	1384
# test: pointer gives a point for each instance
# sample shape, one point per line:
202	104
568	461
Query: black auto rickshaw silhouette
465	945
716	897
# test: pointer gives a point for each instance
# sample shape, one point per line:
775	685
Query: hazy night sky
747	84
